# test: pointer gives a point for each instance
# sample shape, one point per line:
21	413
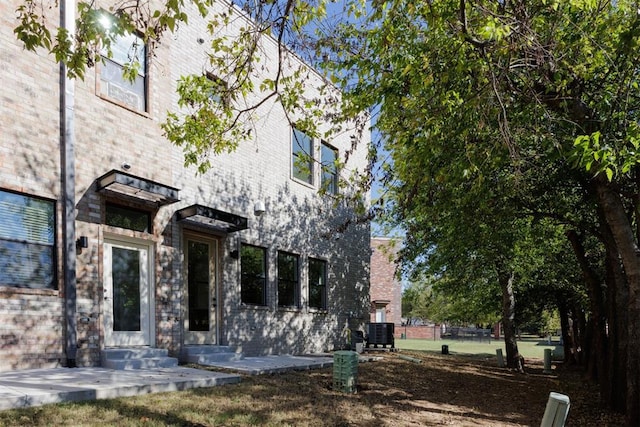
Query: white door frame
202	337
146	335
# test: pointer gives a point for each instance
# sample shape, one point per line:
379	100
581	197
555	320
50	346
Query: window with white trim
125	50
27	241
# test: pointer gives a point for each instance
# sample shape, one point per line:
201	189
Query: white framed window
125	50
27	241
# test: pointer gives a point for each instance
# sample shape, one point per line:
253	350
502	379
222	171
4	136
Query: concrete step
137	358
209	354
146	363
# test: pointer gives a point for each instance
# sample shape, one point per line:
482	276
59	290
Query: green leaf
609	173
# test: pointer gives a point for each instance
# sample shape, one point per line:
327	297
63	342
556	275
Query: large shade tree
546	81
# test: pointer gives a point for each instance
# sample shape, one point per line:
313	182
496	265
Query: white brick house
165	258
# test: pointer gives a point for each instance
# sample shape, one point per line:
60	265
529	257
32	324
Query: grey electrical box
557	410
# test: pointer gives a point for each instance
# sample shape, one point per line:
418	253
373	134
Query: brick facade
107	135
31	329
386	289
426	332
31	321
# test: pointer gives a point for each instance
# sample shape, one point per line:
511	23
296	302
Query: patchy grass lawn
457	390
530	347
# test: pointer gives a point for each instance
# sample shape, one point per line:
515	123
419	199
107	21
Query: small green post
547	361
500	358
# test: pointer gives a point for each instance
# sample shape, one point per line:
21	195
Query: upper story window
253	267
125	50
302	156
288	280
317	283
27	241
328	160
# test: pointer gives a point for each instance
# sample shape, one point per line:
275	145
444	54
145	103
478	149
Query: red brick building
386	289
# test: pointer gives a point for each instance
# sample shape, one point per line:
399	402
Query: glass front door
126	294
200	280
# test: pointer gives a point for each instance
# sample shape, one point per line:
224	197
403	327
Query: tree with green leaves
468	232
433	298
415	298
510	85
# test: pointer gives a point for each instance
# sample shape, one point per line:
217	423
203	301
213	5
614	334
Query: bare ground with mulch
452	390
449	390
471	391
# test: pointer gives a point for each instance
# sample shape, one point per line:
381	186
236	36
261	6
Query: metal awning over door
212	218
124	185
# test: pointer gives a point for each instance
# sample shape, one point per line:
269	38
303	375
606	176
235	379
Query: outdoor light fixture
82	242
259	208
234	254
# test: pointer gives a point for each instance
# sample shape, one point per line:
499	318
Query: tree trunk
579	325
514	360
624	237
595	348
617	302
567	335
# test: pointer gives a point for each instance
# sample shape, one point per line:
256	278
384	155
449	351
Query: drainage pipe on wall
67	161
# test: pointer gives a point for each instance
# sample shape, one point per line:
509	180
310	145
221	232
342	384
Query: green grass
529	347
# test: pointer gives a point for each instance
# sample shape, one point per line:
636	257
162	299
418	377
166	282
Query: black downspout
67	158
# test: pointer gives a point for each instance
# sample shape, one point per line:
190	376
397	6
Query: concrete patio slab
34	387
276	364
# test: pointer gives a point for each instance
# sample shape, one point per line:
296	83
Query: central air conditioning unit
380	334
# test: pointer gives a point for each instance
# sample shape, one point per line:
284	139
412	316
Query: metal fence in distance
468	334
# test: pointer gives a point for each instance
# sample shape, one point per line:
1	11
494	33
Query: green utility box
345	371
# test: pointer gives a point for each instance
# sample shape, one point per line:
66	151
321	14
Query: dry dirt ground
436	390
439	390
